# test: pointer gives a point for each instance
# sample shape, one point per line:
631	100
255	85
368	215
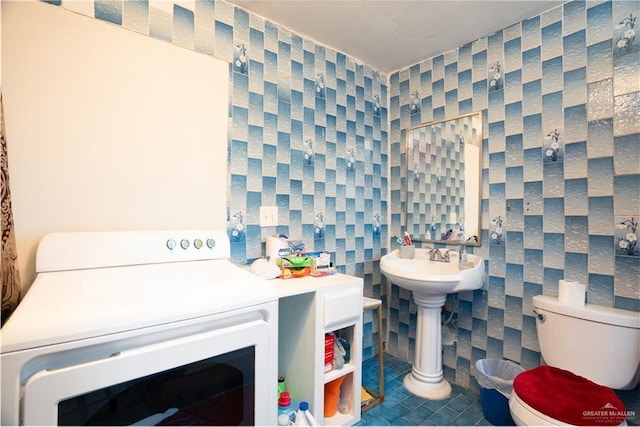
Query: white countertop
302	285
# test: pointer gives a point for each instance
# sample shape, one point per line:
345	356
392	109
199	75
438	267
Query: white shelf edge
340	420
337	373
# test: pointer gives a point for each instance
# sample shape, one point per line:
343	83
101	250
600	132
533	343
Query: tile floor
400	407
463	408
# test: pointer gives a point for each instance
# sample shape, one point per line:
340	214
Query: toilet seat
554	396
525	415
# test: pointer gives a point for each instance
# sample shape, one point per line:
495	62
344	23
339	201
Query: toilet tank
596	342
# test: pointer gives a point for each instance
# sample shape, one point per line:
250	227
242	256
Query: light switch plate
268	216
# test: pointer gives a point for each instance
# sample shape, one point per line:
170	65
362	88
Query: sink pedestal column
426	378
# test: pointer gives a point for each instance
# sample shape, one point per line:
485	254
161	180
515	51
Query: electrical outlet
268	216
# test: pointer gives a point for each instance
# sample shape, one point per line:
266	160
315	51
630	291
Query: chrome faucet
446	257
435	255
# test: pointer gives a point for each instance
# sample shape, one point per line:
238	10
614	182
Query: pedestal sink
429	283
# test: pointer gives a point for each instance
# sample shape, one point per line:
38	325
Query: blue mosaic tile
553	250
533	269
534	236
600	139
513	313
574	16
513	113
552	75
495	348
627	114
601	176
576	240
224	40
600	290
601	251
529	334
532	136
599	21
574	49
515	277
109	11
575	122
599	62
160	24
576	265
530	290
514	182
514	150
533	197
587	94
576	164
630	304
135	16
494	324
183	27
626	195
551	278
626	276
551	40
575	85
553	174
531	33
531	65
600	215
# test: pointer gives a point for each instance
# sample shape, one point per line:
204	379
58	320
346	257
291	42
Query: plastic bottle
300	419
281	385
304	417
407	239
344	406
287	406
284	420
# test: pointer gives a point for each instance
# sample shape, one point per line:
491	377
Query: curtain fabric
10	272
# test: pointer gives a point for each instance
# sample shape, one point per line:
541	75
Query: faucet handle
447	257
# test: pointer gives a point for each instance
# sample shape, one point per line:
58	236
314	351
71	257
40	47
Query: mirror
443	193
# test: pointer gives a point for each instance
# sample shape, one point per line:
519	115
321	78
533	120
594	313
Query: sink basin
429	283
426	277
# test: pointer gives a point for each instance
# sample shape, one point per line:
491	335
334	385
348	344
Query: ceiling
392	34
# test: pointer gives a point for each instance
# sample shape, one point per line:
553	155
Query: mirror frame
472	138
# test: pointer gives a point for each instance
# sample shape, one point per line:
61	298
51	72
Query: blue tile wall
321	136
561	174
308	132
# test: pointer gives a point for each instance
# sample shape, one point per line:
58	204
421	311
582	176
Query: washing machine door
212	378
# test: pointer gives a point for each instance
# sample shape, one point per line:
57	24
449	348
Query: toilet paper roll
571	293
273	246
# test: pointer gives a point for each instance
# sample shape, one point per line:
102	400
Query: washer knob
211	243
197	243
171	244
184	243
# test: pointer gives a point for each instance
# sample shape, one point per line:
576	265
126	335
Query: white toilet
589	351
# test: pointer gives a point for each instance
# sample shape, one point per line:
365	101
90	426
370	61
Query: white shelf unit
309	308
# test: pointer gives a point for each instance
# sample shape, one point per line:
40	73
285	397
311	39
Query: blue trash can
495	378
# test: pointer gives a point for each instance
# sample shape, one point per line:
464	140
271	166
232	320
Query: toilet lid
569	398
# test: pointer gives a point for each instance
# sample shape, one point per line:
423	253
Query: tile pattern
462	408
401	408
308	130
561	177
321	136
